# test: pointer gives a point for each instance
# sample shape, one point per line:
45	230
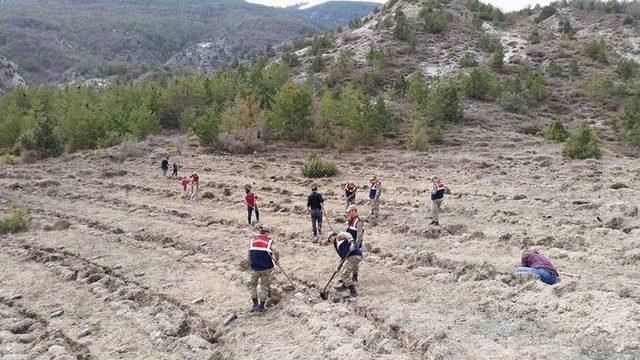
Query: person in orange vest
348	251
195	183
374	194
262	255
437	196
350	193
355	227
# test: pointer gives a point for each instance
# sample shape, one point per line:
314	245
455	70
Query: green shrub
513	102
497	59
444	105
402	30
10	160
317	65
534	37
468	60
565	28
488	43
545	13
557	132
574	68
400	86
600	88
316	168
583	144
628	20
435	20
630	119
532	85
554	69
290	115
626	69
18	220
596	50
207	128
481	84
290	58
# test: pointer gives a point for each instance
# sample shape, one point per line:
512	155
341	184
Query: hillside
532	119
57	40
9	78
336	13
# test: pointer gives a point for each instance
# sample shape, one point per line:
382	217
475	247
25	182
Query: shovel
279	267
323	294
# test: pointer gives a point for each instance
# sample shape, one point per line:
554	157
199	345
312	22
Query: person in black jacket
314	206
437	196
164	165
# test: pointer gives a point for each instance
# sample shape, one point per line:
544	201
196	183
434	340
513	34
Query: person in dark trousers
251	200
314	206
164	166
175	169
535	263
262	256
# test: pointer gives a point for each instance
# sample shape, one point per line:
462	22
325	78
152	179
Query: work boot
261	307
340	286
354	277
254	308
352	291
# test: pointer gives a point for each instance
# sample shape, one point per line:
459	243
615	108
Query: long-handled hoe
279	267
323	294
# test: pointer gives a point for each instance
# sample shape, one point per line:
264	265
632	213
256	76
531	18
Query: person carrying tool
184	182
195	183
175	169
251	200
535	263
314	207
374	194
346	248
437	196
355	227
350	193
164	165
262	255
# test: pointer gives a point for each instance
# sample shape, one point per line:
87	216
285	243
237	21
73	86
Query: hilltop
58	41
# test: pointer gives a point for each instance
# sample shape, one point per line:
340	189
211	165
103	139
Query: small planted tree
316	168
468	60
481	85
534	37
626	69
583	144
497	60
402	30
18	220
557	132
597	50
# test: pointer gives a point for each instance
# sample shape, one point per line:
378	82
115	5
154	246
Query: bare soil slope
117	249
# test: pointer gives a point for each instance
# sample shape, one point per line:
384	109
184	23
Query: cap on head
314	188
331	235
433	178
373	177
352	208
264	228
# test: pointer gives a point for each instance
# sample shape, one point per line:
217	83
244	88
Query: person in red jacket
535	263
251	200
184	182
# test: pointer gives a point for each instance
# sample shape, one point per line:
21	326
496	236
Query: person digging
374	195
262	256
350	190
314	206
251	201
437	196
351	256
